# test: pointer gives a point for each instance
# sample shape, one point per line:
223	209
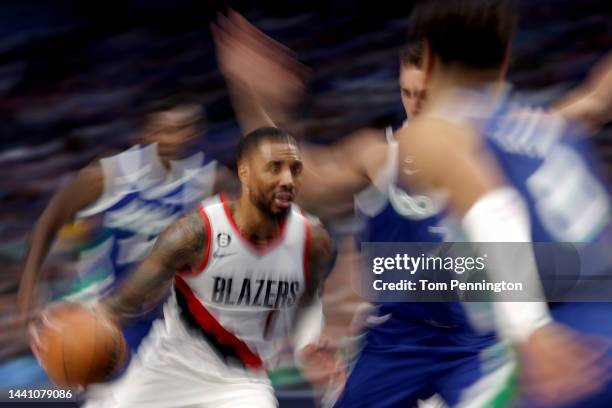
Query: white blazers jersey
243	298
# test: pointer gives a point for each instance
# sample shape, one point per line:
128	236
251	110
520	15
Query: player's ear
243	172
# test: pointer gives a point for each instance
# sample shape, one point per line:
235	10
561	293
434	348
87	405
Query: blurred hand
251	61
44	322
39	327
559	366
321	366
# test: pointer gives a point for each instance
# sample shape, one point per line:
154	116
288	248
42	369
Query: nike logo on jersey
218	254
261	292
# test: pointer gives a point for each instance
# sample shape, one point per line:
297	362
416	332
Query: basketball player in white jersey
245	274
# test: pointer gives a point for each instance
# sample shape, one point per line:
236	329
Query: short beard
265	208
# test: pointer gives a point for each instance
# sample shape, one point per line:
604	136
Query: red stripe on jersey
209	239
210	325
260	251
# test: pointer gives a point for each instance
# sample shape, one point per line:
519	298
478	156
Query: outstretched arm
591	102
334	174
264	79
83	190
178	248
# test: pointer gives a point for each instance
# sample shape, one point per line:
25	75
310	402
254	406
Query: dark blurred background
76	77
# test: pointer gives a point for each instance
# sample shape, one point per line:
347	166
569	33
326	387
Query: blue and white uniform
413	350
450	348
140	199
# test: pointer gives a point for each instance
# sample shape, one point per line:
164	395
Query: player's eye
296	169
274	167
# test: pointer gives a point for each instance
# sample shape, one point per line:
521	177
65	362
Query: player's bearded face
275	175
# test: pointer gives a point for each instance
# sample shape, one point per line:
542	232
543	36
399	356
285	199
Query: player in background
132	196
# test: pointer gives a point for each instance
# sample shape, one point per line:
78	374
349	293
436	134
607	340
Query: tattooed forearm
180	246
321	258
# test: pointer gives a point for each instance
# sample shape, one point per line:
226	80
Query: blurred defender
508	174
343	175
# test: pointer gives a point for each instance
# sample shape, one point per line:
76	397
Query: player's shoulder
367	149
363	140
312	220
319	236
188	232
212	202
90	176
367	135
434	137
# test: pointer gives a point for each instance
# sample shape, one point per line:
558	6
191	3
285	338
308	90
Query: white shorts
181	370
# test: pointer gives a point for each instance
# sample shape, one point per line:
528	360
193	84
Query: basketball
79	348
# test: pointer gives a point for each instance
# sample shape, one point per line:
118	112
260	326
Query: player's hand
320	366
40	325
253	61
559	366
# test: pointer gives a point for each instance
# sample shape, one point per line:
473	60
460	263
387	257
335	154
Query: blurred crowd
75	82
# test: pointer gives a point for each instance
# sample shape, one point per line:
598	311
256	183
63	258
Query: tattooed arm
320	258
179	247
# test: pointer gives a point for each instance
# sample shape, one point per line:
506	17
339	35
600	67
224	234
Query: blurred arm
263	77
557	365
591	102
179	247
309	321
337	172
82	191
450	157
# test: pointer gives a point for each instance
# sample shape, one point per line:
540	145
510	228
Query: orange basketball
79	348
